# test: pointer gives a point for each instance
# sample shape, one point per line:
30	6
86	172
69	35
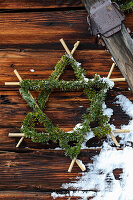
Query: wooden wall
29	39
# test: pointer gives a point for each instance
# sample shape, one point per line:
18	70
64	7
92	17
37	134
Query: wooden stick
15	134
65	46
114	131
71	165
111	70
122	131
118	79
20	79
20	141
114	140
75	47
17	74
114	79
81	165
71	53
12	83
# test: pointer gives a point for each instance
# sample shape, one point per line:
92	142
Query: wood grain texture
35	30
30	40
122	54
93	61
39	171
39	4
16	195
43	30
64	109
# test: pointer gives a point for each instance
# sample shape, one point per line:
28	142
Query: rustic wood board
15	195
42	30
40	170
32	4
30	33
93	61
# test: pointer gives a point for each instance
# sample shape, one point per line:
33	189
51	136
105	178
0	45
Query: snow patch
126	105
108	81
99	175
32	70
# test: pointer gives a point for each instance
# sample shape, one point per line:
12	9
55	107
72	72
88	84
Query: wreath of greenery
94	89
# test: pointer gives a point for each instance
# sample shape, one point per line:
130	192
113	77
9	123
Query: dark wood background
29	39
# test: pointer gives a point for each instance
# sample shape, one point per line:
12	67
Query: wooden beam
120	46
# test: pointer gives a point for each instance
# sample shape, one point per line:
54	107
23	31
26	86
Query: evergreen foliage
125	5
95	90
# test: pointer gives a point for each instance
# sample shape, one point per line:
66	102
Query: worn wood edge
119	46
124	57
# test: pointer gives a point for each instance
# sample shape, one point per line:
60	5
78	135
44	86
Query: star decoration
95	90
52	132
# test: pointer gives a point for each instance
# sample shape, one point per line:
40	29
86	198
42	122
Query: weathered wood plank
64	109
41	171
120	46
67	107
63	106
31	4
16	195
93	61
29	40
43	30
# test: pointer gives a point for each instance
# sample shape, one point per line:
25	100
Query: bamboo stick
122	131
118	79
20	141
12	83
114	79
75	47
71	53
65	46
71	165
111	70
20	79
114	131
17	74
81	165
114	140
15	134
